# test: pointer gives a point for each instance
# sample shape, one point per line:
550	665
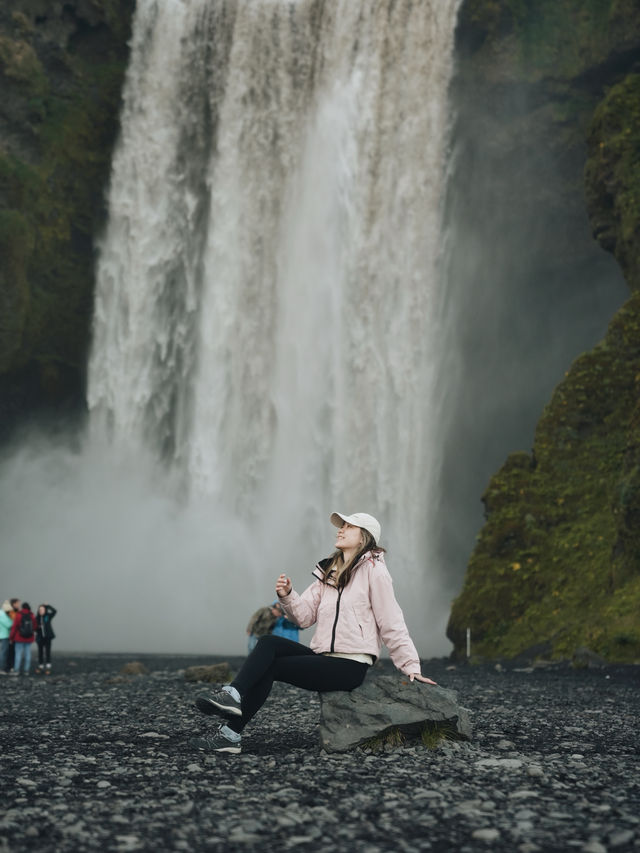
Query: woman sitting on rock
352	604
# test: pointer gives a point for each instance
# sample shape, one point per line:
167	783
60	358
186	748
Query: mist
126	566
132	568
527	287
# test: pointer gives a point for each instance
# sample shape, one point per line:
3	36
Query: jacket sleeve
390	620
13	631
51	611
303	609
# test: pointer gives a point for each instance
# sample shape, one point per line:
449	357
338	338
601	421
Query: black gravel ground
92	760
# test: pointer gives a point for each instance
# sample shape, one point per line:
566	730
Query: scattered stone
502	763
217	673
125	843
380	705
488	834
285	792
620	838
594	847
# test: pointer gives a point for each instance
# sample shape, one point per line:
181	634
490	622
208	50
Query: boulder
134	668
348	719
217	673
584	657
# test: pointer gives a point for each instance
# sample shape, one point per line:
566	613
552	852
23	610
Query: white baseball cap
358	519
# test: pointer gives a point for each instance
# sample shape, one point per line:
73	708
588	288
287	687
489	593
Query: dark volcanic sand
92	761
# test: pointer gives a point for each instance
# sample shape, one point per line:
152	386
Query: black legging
278	659
44	645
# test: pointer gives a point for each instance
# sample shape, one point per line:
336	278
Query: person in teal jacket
5	628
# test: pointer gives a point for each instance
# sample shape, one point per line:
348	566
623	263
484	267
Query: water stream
266	333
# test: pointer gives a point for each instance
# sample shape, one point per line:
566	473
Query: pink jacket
358	619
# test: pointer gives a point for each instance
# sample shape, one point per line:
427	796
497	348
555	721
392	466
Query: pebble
594	847
619	839
488	834
552	766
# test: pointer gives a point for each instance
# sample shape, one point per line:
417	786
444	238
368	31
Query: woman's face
42	610
349	538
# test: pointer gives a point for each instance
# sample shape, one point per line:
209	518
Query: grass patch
430	735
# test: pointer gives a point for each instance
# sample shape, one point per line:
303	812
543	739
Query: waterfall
266	325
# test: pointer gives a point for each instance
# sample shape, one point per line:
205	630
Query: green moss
15	247
56	192
558	560
558	39
20	63
612	175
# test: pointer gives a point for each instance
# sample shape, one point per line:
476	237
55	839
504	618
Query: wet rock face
61	72
348	719
612	175
557	560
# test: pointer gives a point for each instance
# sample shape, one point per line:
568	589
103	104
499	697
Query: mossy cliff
61	73
557	564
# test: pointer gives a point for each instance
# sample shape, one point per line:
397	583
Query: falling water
266	315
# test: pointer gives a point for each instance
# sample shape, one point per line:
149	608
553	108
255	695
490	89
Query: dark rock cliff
557	563
61	70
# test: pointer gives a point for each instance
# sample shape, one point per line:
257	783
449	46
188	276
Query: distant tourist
23	635
262	623
15	609
284	627
44	635
352	604
6	623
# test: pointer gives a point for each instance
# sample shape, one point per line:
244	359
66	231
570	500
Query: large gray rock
348	719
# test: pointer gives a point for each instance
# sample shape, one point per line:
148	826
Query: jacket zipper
335	622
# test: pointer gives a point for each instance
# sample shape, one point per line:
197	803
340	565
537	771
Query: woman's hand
283	586
418	677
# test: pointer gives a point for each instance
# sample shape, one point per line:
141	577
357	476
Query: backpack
263	622
25	628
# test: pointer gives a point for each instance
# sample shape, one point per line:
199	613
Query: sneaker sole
234	750
210	706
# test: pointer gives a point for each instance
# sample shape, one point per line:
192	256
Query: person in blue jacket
283	627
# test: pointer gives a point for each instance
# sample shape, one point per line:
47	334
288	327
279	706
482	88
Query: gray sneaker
216	743
221	703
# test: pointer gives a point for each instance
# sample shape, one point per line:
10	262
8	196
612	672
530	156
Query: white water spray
267	303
